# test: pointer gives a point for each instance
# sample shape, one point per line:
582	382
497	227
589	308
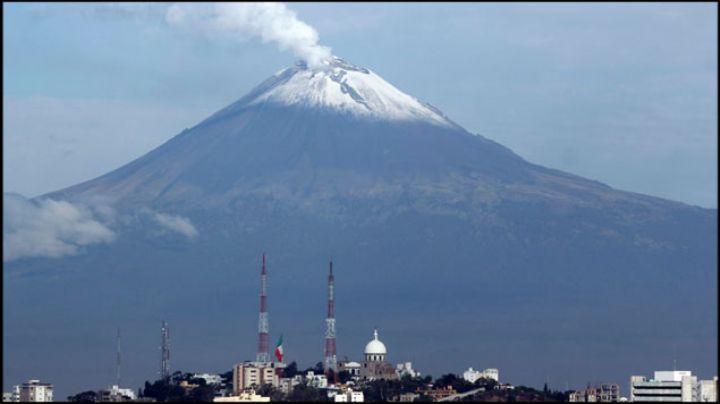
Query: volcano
461	252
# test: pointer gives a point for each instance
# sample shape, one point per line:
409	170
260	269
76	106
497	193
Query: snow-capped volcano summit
341	86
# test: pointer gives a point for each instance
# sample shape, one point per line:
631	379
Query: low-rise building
243	397
439	393
472	375
115	394
670	385
353	368
34	391
12	396
406	369
317	381
708	390
349	396
606	393
254	374
408	397
210	378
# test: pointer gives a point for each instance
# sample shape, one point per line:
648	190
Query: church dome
375	347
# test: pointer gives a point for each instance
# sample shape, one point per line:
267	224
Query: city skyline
498	185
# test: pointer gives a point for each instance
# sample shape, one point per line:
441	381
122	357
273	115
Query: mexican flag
279	349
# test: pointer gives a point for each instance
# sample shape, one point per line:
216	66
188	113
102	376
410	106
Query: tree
84	397
164	390
344	376
457	383
303	392
204	393
290	370
268	390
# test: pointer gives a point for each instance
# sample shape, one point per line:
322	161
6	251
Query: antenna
263	323
164	351
330	344
117	363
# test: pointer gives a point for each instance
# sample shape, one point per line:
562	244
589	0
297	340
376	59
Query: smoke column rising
272	22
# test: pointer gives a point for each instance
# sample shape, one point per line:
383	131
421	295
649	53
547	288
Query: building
12	396
670	386
34	391
209	378
353	368
437	394
471	375
406	369
408	397
606	393
243	397
114	394
317	381
254	374
708	390
349	396
375	365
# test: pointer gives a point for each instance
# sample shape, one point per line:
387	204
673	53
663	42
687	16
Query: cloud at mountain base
50	228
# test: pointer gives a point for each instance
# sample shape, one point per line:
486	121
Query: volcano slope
458	250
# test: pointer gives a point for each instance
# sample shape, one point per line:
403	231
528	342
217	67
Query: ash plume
271	22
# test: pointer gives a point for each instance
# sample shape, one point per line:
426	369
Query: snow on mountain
344	87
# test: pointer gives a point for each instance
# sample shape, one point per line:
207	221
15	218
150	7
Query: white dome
375	347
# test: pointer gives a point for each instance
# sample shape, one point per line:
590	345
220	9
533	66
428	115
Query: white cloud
177	224
49	228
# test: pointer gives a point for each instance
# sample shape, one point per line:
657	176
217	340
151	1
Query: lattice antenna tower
117	361
263	324
164	351
330	343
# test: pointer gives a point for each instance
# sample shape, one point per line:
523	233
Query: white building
244	397
472	375
34	391
353	368
13	396
115	393
209	378
708	390
317	381
670	385
406	369
350	396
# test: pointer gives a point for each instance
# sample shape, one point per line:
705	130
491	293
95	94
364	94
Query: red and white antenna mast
263	326
330	354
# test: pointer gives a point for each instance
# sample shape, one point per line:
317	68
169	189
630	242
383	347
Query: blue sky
621	93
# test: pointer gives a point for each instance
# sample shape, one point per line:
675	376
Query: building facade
606	393
244	397
406	369
34	391
248	375
375	365
708	390
353	368
115	394
472	375
210	378
672	386
349	396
